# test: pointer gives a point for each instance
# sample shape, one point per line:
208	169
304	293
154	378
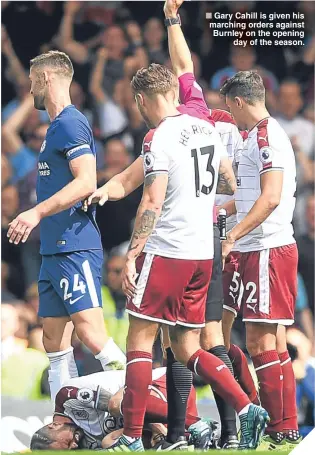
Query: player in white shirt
265	201
87	411
215	336
121	185
211	335
232	286
166	279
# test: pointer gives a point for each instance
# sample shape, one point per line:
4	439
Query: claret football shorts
171	291
265	285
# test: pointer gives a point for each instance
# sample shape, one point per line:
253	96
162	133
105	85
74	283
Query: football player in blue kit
72	256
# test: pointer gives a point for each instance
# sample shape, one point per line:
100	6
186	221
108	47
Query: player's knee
260	337
257	346
182	353
90	328
184	342
180	356
143	343
254	344
253	347
93	341
141	335
208	341
57	333
211	335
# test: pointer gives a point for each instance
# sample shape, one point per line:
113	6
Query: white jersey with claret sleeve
233	142
189	150
267	149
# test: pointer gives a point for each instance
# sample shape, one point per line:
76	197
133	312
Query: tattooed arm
148	212
226	180
147	215
225	186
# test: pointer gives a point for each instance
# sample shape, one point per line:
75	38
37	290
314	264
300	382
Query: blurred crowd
107	42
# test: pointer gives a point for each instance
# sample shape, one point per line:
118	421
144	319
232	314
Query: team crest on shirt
85	395
265	155
81	414
43	146
148	161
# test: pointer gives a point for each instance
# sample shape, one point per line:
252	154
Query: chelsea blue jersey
68	137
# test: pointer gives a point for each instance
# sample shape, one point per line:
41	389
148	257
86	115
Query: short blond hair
156	79
56	60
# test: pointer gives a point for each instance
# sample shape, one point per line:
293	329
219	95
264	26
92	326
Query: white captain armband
70	152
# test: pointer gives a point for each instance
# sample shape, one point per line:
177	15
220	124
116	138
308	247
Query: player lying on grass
87	413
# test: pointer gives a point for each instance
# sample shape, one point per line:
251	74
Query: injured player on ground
88	416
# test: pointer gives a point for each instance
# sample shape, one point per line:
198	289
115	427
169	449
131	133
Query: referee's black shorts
214	303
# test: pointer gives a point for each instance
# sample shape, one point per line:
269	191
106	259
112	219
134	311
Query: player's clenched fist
21	227
171	7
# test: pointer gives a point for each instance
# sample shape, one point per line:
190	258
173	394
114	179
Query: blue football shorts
70	282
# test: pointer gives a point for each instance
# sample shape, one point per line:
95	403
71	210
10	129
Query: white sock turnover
111	353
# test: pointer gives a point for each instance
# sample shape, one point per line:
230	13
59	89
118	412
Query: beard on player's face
144	114
148	122
237	112
69	436
241	124
39	102
38	89
146	119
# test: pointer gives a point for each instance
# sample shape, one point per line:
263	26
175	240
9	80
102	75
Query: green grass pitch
152	452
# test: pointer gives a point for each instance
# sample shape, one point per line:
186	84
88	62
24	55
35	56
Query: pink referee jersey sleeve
192	99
